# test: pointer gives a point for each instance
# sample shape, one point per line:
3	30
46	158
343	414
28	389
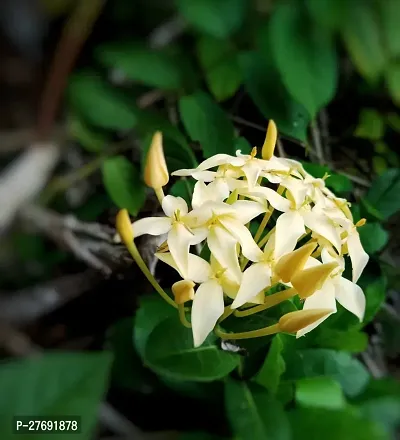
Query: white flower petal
297	189
208	306
359	258
170	204
322	299
151	226
249	247
277	201
179	239
252	171
289	228
323	226
223	247
247	210
351	297
219	189
214	161
255	279
201	194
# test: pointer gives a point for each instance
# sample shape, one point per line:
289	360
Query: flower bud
312	279
183	291
156	172
124	226
294	321
293	262
270	140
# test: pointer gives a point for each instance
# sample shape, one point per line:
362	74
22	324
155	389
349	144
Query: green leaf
305	55
273	367
122	182
385	411
327	13
218	19
393	82
183	188
99	103
352	340
152	310
370	125
93	141
221	68
375	293
340	366
154	68
373	237
243	145
263	84
320	392
384	193
337	182
389	14
361	35
170	352
346	424
53	385
207	123
253	413
393	120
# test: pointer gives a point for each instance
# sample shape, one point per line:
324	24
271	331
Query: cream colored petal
201	194
297	189
199	269
215	161
199	235
247	210
252	171
170	204
323	226
277	201
151	226
208	306
255	279
322	299
351	297
223	247
219	189
249	247
359	258
184	172
179	239
289	228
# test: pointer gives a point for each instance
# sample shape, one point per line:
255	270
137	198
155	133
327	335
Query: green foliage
352	340
100	104
373	237
389	12
253	413
220	66
327	13
263	84
53	385
92	140
169	351
370	125
218	19
305	56
337	182
122	182
340	366
320	392
143	65
393	81
384	193
207	123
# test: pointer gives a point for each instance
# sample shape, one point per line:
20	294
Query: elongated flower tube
270	140
295	321
156	172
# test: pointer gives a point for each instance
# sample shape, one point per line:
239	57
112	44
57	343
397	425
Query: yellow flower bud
270	140
308	281
124	226
294	321
293	262
183	291
156	172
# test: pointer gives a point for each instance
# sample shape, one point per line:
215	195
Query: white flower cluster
232	191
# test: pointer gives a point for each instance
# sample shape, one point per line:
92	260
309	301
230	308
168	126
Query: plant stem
271	330
182	316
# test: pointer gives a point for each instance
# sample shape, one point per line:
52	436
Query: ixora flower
250	250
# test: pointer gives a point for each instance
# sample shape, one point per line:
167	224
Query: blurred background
83	86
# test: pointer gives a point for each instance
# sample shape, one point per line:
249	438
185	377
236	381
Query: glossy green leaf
99	103
389	14
207	123
320	392
337	182
220	66
305	56
170	352
373	237
152	310
53	385
328	424
393	119
273	367
384	193
385	411
263	84
154	68
340	366
375	293
254	413
92	140
362	37
218	19
370	125
123	184
393	82
327	13
353	341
